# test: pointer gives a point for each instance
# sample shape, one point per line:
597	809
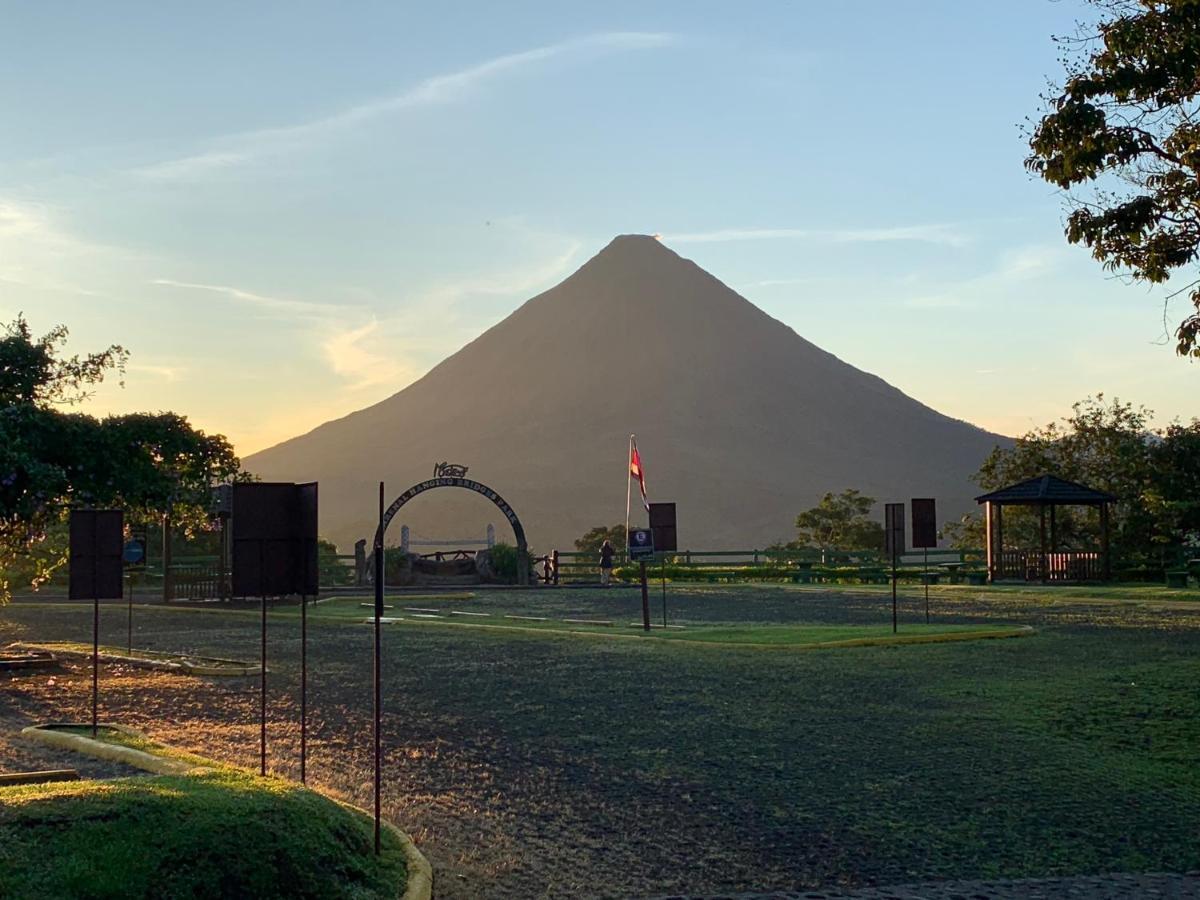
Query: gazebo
1047	563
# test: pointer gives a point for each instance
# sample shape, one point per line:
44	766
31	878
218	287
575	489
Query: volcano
740	421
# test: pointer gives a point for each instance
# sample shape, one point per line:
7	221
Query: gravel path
1092	887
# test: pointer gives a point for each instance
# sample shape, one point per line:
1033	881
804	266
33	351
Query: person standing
607	552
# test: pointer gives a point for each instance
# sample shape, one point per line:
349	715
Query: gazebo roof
1047	490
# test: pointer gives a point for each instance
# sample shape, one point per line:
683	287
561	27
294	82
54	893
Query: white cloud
238	149
1014	267
40	253
299	308
351	358
165	373
944	235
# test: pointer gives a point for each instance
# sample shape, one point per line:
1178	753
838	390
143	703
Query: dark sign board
309	577
274	539
97	542
662	524
924	523
893	529
641	543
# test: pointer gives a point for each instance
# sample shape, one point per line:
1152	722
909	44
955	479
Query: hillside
740	420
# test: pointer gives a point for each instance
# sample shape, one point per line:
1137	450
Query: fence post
555	559
360	562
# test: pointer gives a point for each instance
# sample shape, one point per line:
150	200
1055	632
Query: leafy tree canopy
1154	473
595	537
840	522
1122	136
51	459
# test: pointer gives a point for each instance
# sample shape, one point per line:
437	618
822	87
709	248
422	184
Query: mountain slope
740	420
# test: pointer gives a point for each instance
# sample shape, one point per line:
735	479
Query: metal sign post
379	576
893	530
924	518
664	589
133	554
96	573
641	548
662	529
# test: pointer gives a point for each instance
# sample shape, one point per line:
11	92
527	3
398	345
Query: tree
1123	135
594	537
840	522
1155	475
51	459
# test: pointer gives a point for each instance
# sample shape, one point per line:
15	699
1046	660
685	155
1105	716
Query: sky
289	211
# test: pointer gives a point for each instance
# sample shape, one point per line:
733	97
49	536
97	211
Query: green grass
724	769
224	833
759	633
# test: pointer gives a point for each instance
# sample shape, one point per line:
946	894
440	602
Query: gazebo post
1104	541
990	545
1044	566
1000	539
1053	529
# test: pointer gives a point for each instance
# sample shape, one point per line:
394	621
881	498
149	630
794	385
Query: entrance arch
459	480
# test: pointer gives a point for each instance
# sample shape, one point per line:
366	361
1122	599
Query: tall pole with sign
641	548
924	519
379	575
894	546
96	549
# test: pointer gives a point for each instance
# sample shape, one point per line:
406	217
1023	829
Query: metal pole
645	600
664	587
893	591
262	720
926	585
628	486
379	575
303	687
95	664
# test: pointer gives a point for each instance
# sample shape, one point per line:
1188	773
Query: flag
635	469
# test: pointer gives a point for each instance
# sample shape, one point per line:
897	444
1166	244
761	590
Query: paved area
1092	887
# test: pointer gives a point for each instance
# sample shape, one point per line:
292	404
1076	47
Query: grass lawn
224	833
529	764
437	611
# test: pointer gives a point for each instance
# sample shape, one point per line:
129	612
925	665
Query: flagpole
628	486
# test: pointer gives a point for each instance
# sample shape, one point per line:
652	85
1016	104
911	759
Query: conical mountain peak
740	420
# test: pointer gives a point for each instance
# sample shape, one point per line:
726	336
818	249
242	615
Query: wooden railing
1033	565
572	566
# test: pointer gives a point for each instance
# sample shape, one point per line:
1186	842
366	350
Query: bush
504	563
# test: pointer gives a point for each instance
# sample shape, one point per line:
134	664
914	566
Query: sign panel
274	539
308	574
662	524
924	523
641	543
97	540
893	529
134	552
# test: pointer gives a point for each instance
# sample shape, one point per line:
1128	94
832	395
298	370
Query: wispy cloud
299	308
40	252
165	373
942	234
1014	268
349	355
246	147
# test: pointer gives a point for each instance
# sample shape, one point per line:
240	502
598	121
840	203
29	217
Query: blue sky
345	193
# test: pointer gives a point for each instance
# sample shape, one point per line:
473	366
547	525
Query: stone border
418	871
178	664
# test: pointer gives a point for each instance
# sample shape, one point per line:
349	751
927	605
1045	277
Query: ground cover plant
529	764
223	833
